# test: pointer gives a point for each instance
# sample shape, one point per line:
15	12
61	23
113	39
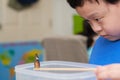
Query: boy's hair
80	3
89	33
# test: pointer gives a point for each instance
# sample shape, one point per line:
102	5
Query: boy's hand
107	72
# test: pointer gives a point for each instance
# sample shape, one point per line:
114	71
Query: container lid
71	75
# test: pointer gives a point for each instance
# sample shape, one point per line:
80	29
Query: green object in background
77	24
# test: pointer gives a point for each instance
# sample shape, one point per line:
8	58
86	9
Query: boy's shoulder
105	52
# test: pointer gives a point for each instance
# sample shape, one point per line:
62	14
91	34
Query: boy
104	17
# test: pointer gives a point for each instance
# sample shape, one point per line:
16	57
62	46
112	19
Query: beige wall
30	24
45	18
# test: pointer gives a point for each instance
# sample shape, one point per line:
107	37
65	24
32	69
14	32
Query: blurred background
44	17
24	24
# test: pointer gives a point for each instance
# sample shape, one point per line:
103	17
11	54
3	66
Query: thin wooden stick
65	69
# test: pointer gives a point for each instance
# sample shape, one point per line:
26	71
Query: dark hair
76	3
88	32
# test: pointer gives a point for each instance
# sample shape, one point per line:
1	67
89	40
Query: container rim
23	69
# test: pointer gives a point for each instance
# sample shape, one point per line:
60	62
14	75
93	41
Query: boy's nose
97	28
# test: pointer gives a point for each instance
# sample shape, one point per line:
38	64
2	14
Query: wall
30	24
47	17
0	11
62	17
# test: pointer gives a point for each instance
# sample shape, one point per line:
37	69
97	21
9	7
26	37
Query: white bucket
26	72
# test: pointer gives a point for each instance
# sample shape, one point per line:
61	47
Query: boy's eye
98	19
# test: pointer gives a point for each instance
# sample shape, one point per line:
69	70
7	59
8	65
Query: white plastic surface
26	72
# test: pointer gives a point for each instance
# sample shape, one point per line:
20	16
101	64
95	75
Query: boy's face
103	17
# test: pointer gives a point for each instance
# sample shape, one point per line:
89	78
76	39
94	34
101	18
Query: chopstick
65	69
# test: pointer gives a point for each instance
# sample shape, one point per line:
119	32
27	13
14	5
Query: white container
26	72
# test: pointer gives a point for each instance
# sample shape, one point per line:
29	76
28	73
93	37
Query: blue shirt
105	52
